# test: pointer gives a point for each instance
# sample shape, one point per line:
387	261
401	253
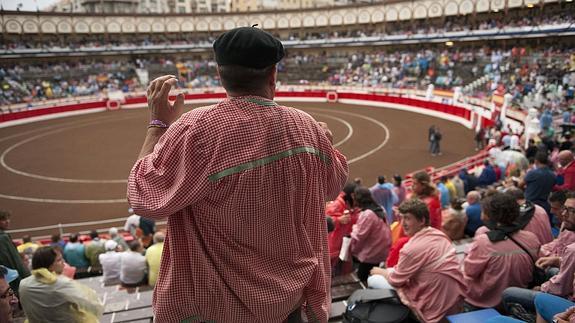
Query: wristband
156	123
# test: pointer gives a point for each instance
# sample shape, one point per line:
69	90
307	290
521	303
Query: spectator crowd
40	281
541	78
516	214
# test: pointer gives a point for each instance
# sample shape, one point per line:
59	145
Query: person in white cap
111	262
132	223
113	232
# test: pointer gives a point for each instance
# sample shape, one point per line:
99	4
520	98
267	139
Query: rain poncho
47	295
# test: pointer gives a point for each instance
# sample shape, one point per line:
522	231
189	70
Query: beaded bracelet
157	124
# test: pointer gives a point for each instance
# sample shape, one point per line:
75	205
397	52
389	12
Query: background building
296	4
153	6
246	5
190	6
111	6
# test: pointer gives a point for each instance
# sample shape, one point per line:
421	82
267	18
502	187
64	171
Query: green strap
261	102
267	160
195	318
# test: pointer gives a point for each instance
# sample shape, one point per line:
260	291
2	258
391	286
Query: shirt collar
255	99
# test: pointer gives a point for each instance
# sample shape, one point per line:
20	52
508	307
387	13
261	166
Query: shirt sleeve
562	283
173	176
337	175
337	168
361	231
407	267
547	249
85	298
475	261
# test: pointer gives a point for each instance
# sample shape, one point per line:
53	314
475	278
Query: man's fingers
163	78
150	89
158	82
166	87
180	99
179	104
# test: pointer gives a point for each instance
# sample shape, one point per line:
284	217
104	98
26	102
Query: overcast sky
27	5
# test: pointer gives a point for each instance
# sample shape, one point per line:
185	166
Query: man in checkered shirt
243	184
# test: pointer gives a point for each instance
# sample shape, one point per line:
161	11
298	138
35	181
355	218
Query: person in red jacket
567	171
344	216
425	191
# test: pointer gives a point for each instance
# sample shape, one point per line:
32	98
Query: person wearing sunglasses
560	284
8	299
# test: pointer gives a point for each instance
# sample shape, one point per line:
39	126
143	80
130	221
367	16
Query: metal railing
61	227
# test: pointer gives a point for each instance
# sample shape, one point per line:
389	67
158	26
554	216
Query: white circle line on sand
347	124
123	200
48	128
377	122
51	178
59	201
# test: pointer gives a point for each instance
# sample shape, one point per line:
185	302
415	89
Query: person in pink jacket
371	236
556	248
535	216
496	260
427	277
532	218
425	191
562	284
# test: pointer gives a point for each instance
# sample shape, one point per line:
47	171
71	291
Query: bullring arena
73	169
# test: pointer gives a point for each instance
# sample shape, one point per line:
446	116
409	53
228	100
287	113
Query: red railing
451	169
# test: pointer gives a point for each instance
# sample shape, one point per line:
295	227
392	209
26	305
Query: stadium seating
122	305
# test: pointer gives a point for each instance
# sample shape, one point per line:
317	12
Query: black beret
248	47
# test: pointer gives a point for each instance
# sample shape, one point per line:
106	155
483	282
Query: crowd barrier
461	114
464	115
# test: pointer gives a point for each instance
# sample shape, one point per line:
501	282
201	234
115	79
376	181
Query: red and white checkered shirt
243	184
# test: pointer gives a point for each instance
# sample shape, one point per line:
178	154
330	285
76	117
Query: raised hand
160	108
